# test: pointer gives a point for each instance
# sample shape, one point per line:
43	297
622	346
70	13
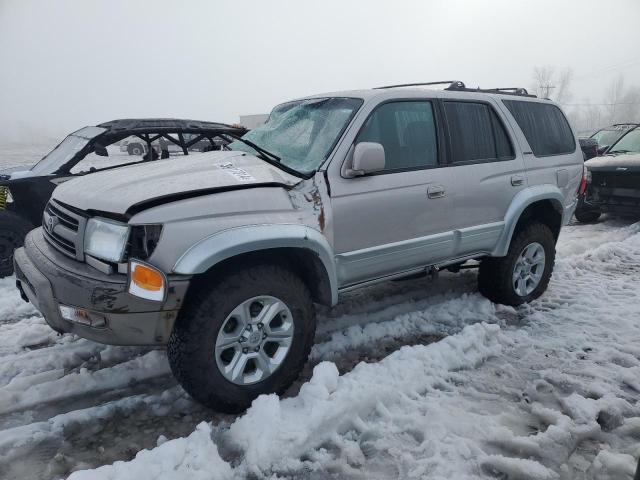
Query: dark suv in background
613	179
608	136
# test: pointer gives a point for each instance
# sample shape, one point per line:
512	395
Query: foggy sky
68	63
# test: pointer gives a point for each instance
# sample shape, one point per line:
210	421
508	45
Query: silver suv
223	260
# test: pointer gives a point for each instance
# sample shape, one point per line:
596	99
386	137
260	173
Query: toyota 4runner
221	256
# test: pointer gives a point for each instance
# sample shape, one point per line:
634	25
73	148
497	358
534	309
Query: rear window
476	133
544	126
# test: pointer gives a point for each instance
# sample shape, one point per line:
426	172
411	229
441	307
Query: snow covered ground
416	379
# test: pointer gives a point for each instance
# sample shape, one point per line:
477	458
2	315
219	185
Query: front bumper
48	279
626	204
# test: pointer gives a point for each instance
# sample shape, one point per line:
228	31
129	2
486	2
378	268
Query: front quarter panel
202	231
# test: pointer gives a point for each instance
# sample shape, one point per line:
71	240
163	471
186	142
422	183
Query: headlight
106	239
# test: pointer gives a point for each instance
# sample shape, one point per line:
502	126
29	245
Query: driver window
407	132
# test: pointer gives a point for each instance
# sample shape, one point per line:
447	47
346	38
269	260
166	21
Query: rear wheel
135	149
245	334
13	229
524	273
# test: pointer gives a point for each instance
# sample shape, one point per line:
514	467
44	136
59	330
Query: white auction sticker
238	173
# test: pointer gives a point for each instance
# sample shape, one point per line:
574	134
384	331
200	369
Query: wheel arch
542	203
304	250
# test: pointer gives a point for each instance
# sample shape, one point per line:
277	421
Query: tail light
583	181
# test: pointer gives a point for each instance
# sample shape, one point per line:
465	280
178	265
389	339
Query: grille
64	229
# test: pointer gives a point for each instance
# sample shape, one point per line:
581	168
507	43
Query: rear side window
544	126
476	133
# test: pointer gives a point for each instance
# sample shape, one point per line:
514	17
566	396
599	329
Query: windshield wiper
270	158
261	151
620	151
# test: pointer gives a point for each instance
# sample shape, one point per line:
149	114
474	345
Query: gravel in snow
416	379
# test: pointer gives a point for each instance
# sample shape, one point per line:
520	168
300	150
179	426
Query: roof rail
458	86
449	82
519	91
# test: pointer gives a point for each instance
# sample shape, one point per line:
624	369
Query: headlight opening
106	239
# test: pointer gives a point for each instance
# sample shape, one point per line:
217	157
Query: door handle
435	191
517	180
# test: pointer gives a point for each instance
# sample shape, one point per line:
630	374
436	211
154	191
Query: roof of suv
365	94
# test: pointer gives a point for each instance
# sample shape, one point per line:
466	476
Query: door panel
385	224
480	197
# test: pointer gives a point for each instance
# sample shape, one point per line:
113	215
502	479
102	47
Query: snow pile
194	457
275	433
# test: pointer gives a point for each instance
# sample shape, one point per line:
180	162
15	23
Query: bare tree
549	83
628	110
563	84
543	81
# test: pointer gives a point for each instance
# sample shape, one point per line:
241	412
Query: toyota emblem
51	223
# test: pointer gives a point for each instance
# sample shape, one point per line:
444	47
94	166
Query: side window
407	131
544	126
476	133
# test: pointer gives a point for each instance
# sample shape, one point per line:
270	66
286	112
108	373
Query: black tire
135	149
192	341
495	275
13	229
587	216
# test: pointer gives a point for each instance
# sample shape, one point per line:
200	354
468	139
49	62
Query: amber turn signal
146	281
146	278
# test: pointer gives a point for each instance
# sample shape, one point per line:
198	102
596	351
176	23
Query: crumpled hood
626	162
117	190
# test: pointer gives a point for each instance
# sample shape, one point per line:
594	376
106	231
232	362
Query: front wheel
524	273
245	334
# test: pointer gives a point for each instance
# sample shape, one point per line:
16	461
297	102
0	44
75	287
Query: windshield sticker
240	174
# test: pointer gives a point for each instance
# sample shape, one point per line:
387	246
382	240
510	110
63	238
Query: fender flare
236	241
520	202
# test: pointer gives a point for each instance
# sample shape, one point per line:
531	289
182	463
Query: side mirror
100	150
602	149
367	157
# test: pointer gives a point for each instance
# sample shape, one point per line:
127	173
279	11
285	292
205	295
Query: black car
25	191
613	181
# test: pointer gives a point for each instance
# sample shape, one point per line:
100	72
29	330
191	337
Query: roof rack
458	86
422	84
